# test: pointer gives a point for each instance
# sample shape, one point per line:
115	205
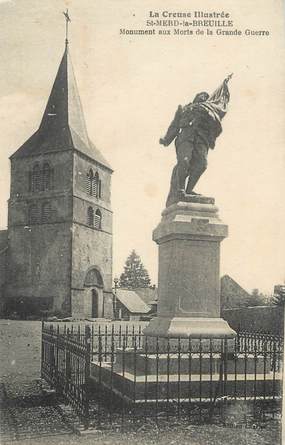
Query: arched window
90	177
46	212
36	178
95	185
47	177
34	214
93	278
90	217
98	219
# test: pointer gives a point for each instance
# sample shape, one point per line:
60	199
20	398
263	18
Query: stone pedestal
189	237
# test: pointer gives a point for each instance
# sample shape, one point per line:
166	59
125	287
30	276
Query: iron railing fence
258	340
129	333
115	375
65	365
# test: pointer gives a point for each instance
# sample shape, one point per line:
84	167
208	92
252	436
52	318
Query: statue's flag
217	103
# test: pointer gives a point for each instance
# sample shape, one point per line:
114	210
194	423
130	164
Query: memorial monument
190	231
188	352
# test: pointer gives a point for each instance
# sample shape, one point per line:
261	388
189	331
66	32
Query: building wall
39	262
3	264
267	319
81	167
82	302
136	317
80	211
3	260
232	294
21	168
108	305
50	260
121	311
60	194
39	254
91	247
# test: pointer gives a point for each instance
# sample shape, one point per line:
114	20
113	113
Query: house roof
229	285
132	301
148	294
63	124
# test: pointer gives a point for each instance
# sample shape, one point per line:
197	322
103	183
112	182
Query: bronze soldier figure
195	128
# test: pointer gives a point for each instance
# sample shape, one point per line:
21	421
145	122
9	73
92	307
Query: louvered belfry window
46	212
41	179
90	217
98	219
47	177
93	184
34	214
90	177
36	178
41	213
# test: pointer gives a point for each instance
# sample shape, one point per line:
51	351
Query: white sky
130	88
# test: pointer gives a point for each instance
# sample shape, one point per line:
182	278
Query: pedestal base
197	327
137	377
189	236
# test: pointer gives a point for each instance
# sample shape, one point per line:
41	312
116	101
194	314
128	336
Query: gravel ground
28	418
20	348
192	435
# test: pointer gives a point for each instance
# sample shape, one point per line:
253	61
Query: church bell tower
59	211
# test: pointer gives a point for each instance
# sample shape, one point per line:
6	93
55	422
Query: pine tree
135	274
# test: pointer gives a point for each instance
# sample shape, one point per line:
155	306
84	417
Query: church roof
63	125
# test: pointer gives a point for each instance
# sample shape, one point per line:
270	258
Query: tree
135	275
256	298
279	295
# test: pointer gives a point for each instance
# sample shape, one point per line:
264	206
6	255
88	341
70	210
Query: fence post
67	360
86	414
88	351
283	383
57	386
42	348
52	354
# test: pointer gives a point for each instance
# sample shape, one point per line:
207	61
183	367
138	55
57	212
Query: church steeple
63	125
64	110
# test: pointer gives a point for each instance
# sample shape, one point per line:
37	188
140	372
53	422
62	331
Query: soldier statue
195	128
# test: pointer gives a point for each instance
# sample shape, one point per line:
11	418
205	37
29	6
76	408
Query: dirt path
28	417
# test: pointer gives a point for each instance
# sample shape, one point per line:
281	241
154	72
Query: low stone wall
267	319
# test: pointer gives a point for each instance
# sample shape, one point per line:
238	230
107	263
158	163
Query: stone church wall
61	162
91	248
3	265
89	252
40	264
82	166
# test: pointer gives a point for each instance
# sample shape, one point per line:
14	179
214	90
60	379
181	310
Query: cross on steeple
67	20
